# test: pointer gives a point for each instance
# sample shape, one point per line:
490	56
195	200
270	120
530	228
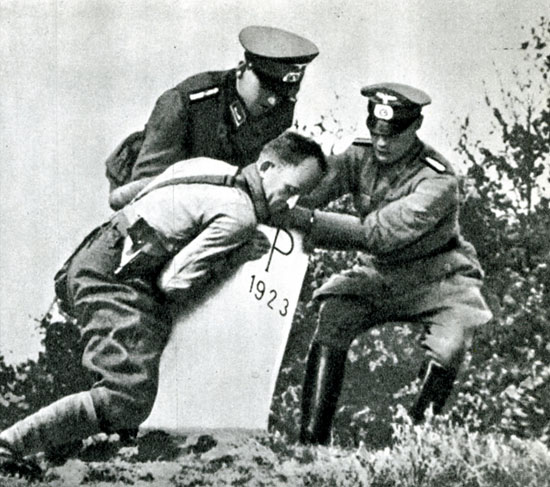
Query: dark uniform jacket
204	116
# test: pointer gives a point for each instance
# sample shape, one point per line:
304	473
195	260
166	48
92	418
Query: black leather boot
322	386
436	389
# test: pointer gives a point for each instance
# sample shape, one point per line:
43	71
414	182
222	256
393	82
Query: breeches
448	311
124	330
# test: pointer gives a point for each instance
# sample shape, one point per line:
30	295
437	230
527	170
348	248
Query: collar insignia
238	113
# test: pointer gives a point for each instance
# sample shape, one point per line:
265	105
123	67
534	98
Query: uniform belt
452	244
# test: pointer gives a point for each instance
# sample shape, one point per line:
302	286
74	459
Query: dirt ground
159	460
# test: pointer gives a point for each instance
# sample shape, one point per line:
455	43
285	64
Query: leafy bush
26	387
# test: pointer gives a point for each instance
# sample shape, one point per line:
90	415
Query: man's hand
254	249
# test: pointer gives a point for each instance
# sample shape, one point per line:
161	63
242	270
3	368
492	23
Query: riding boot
436	388
322	386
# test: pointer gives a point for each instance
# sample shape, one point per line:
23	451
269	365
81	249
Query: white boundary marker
221	363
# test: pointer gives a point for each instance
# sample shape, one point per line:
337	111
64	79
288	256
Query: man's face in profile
282	181
260	94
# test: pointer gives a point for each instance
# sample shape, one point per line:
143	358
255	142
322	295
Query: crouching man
175	237
416	265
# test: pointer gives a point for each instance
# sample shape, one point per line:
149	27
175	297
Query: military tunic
204	116
416	267
124	319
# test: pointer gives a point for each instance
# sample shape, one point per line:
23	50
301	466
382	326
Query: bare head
290	166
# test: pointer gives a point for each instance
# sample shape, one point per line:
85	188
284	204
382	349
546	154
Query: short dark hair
292	148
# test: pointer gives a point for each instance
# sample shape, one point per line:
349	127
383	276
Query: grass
435	454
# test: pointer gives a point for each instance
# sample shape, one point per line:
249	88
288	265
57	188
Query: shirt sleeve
164	136
201	260
407	219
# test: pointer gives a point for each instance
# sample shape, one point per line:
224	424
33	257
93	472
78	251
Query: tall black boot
436	389
322	386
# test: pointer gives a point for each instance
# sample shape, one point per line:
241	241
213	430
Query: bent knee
341	319
342	310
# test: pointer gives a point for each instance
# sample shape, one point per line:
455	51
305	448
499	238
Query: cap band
393	113
277	71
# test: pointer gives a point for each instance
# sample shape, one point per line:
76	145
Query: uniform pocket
60	278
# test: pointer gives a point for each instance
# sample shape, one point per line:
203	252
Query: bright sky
78	76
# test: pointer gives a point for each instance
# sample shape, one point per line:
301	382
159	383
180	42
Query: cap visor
382	127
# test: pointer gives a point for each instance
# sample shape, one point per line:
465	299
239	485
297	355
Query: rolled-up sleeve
198	262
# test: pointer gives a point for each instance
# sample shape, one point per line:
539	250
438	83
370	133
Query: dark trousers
124	328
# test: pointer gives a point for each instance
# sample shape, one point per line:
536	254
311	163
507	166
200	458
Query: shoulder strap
198	95
217	180
434	164
435	160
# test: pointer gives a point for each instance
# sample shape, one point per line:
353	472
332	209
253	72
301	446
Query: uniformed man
416	265
227	115
176	237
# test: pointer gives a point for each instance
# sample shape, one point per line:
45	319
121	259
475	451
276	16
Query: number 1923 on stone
271	298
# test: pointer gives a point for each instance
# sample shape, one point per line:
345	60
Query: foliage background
505	387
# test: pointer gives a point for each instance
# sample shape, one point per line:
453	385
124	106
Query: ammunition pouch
119	165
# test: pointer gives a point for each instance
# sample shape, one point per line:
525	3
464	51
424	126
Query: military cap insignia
385	97
200	95
383	112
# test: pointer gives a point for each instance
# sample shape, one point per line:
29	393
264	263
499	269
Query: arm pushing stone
416	265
